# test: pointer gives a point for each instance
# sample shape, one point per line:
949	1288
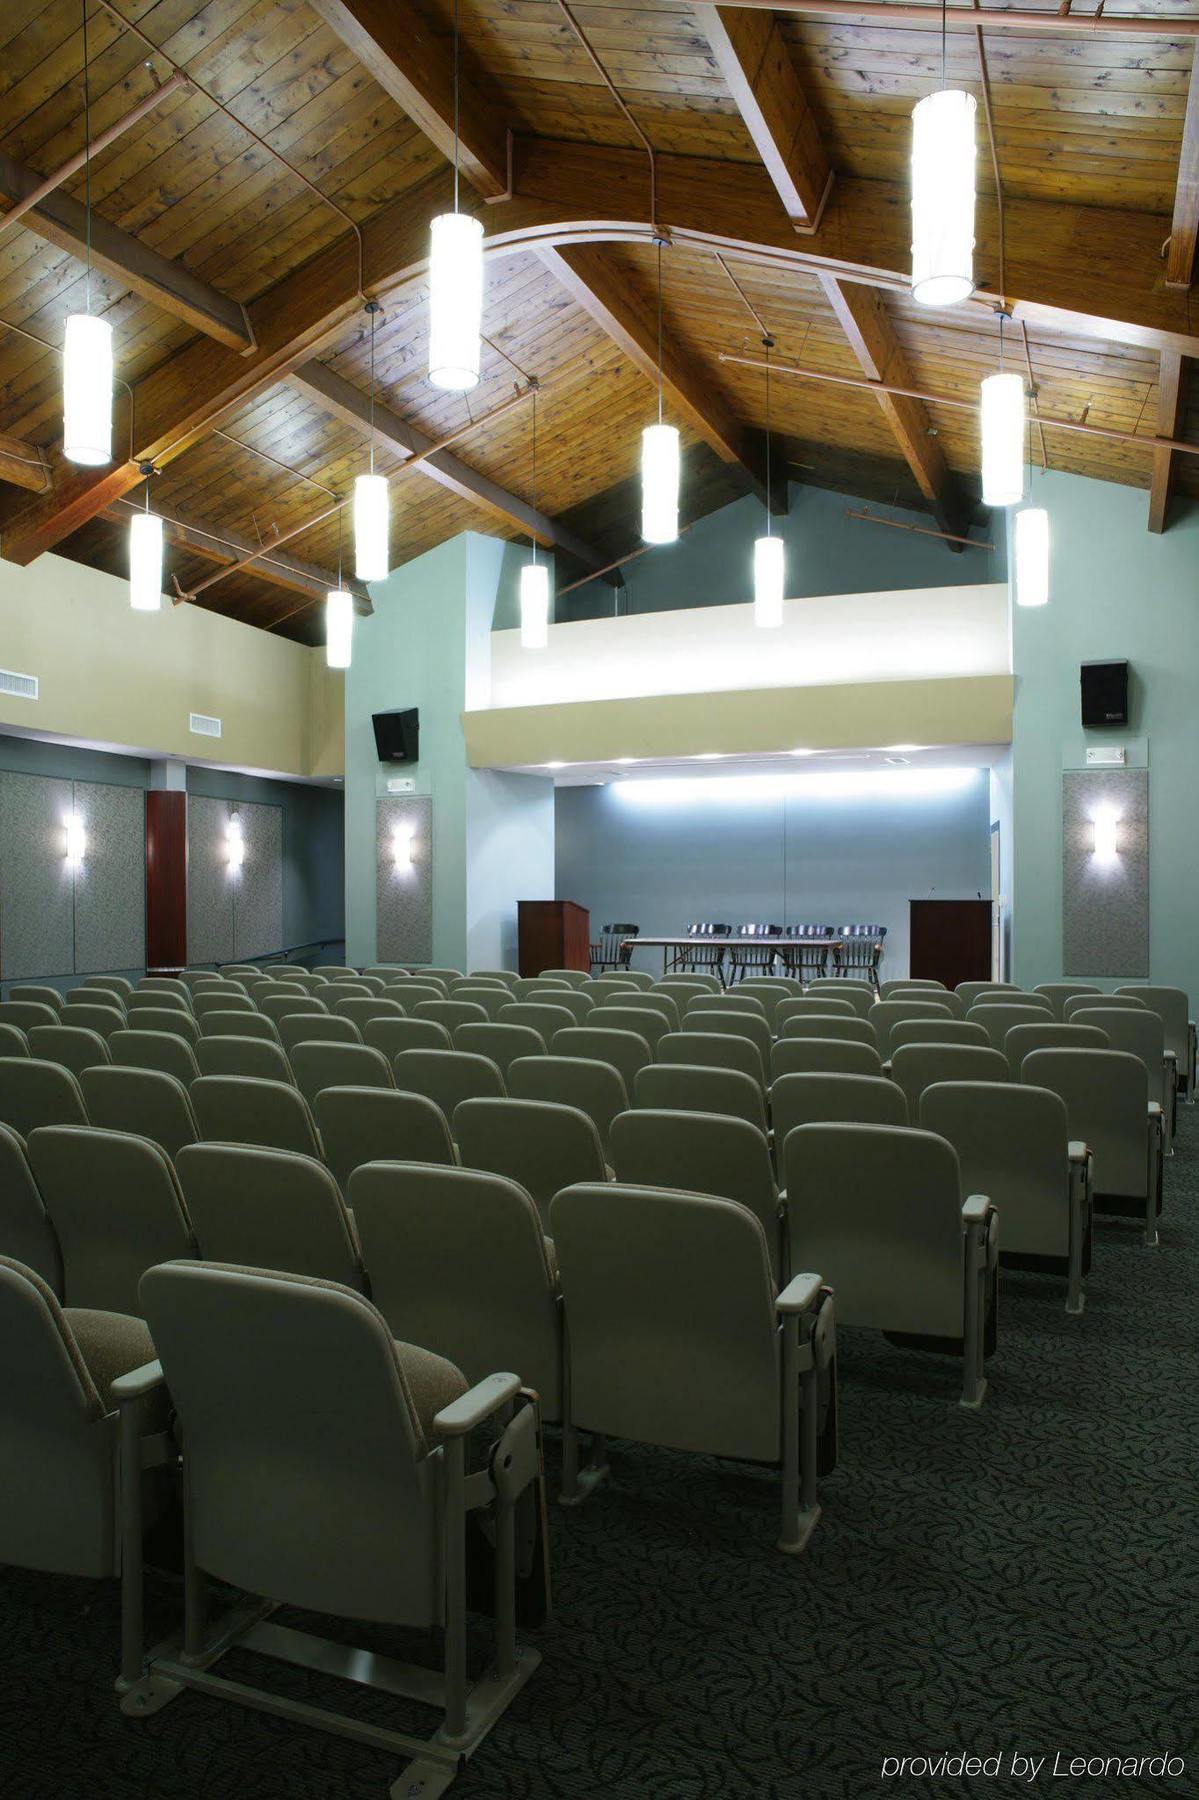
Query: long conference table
677	952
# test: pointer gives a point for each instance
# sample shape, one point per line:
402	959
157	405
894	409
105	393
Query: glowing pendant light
534	579
145	555
339	628
943	193
372	500
659	462
455	283
87	344
1032	556
768	550
1002	398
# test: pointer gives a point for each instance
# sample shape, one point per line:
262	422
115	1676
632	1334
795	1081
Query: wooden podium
553	934
950	941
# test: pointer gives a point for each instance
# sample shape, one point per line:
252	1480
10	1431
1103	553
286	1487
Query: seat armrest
1155	1109
1077	1151
977	1209
1170	1056
137	1383
800	1293
471	1408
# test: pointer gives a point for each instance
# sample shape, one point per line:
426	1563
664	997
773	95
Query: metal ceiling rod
1051	24
275	543
1138	440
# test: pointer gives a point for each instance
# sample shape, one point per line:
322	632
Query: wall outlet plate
1104	757
406	784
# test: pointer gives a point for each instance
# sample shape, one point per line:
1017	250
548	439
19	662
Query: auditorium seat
1013	1144
917	1066
146	1102
500	1044
709	984
735	1023
970	991
280	1005
703	1153
270	1209
254	1109
390	1036
1021	1040
675	1325
117	984
1109	1107
831	1025
508	977
239	1024
1173	1008
243	1056
311	1028
116	1208
25	1014
625	1051
360	1009
369	1124
206	1001
542	1016
692	1087
108	998
35	1092
886	1013
459	1263
643	1021
169	1019
806	1006
577	1002
135	1049
26	1232
595	1088
998	1017
937	1031
451	1013
1058	992
308	1374
37	992
316	1066
165	984
1143	1034
574	978
541	1144
711	1049
827	1097
1079	1004
856	995
491	996
821	1055
448	1076
411	993
893	990
73	1046
158	1000
732	1000
879	1209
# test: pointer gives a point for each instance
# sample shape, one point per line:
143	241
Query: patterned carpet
1022	1580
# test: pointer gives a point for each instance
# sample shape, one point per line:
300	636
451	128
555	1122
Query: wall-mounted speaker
397	735
1104	693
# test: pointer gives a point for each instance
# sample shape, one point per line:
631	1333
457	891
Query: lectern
950	941
553	934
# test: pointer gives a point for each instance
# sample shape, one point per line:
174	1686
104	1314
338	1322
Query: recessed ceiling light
894	760
628	759
801	753
553	765
708	756
902	749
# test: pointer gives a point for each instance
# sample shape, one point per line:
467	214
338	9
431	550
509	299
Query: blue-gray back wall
825	860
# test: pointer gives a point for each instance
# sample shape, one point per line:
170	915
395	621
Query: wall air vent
24	686
204	726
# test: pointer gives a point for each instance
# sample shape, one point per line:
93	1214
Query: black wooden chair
609	950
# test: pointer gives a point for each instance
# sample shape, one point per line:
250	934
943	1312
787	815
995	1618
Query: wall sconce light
1105	844
235	844
76	840
402	848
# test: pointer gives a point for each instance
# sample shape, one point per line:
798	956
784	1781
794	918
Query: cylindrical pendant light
534	579
145	562
455	283
339	628
87	390
943	192
768	550
659	462
534	606
1002	422
87	343
1032	556
372	498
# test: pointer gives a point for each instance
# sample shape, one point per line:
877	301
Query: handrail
265	957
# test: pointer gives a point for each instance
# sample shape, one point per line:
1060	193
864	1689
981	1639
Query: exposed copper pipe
101	142
1139	440
626	113
951	537
1052	24
469	425
985	83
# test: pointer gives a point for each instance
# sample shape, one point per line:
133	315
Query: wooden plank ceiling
239	221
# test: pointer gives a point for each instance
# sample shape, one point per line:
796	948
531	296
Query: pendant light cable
659	331
768	345
372	307
534	534
87	160
456	113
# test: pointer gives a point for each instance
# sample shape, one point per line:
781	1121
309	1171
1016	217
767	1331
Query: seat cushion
111	1344
432	1383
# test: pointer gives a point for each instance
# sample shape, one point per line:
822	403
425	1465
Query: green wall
1116	591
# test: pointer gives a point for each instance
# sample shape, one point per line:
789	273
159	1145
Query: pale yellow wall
114	676
956	710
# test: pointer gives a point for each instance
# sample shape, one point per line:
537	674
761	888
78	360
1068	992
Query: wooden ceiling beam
24	465
220	545
1061	23
755	61
863	316
342	400
171	285
1171	412
395	45
1090	270
603	292
1184	229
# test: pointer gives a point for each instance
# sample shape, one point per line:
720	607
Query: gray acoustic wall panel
110	884
1105	903
209	882
37	930
404	897
258	889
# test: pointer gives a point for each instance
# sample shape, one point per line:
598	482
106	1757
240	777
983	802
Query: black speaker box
1104	693
397	735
